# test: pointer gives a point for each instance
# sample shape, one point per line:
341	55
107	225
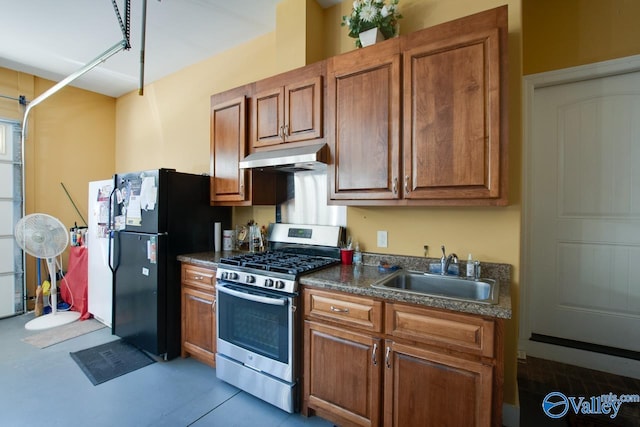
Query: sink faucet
446	260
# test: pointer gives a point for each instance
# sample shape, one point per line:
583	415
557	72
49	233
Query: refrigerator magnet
152	250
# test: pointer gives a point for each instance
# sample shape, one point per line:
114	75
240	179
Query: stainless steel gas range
257	317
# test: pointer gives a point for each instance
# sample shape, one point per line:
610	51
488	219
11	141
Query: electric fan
44	236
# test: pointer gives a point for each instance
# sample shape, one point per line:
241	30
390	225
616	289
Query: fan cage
41	235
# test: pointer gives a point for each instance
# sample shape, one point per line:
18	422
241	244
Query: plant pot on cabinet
369	37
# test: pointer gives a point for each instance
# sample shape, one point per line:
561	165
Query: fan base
52	320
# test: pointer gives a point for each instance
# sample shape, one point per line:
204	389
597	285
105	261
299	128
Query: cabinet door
342	375
303	110
363	118
288	114
228	147
425	388
452	134
267	109
198	325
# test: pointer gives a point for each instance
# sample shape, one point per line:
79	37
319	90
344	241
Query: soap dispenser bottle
357	255
471	267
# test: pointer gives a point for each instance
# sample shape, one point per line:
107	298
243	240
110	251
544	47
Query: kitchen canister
227	240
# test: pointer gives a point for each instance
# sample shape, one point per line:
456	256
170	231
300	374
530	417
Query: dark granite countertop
358	280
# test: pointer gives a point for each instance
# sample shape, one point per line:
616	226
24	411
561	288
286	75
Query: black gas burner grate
280	262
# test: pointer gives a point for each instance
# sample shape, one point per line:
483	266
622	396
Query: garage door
11	276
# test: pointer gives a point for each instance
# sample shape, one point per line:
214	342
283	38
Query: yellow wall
169	125
70	141
561	34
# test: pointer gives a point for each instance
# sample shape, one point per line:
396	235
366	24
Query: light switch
382	239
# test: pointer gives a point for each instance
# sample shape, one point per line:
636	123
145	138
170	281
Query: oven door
255	328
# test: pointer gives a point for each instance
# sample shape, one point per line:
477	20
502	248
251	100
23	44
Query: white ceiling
54	38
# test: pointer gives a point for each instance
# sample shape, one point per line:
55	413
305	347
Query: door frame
601	362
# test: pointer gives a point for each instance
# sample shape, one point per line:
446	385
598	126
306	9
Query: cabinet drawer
460	332
199	277
361	312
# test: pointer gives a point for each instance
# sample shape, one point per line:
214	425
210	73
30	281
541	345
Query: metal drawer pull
386	357
373	355
406	184
339	310
198	277
200	299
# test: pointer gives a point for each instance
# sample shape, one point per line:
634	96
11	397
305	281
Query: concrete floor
45	387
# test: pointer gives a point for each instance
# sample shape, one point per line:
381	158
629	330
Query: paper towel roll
217	233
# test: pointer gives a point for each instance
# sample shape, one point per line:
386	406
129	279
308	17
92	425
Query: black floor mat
111	360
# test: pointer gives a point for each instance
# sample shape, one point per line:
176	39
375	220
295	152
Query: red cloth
77	279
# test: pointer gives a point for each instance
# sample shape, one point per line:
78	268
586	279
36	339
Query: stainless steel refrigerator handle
251	297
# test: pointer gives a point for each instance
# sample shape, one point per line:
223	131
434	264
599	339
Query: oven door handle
251	297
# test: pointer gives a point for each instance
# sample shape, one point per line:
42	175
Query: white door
100	284
11	282
582	244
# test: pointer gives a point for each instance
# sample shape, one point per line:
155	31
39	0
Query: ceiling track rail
125	26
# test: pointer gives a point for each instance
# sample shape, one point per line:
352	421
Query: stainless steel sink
484	291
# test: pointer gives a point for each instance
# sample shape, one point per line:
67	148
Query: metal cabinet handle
213	306
285	134
200	299
406	184
395	185
339	310
198	277
386	357
281	133
374	359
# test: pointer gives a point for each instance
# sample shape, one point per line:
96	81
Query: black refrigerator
157	215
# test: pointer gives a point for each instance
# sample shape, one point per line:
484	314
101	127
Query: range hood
289	159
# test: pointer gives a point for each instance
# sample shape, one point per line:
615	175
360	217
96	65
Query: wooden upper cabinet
287	113
230	185
228	147
363	122
454	116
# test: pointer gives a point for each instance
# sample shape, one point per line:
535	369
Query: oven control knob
250	279
233	276
279	284
268	283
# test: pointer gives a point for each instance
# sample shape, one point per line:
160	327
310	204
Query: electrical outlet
522	355
382	239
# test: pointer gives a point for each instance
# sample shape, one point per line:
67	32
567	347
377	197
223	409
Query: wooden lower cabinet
423	367
425	388
198	313
342	375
